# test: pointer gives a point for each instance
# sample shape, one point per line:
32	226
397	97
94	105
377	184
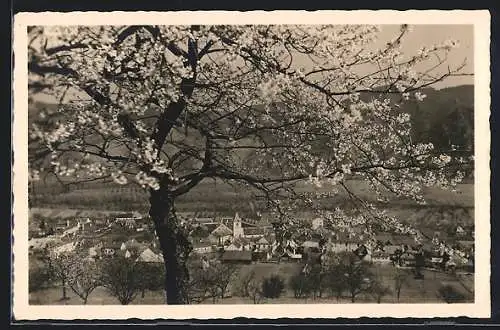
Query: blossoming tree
267	107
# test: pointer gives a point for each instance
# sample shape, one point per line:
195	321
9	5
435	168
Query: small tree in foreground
85	278
255	291
357	275
224	274
61	267
273	286
300	285
245	282
153	277
378	290
400	279
336	281
122	278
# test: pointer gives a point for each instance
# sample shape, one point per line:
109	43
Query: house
407	259
291	256
95	251
287	250
239	244
262	244
460	231
317	223
458	259
245	243
253	232
222	233
288	245
233	247
71	232
108	251
129	223
202	247
150	257
381	257
311	244
236	257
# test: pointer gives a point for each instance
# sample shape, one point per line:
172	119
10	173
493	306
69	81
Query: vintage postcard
182	165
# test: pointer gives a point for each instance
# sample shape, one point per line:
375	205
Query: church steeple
237	227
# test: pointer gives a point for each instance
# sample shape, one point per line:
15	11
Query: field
413	291
105	199
209	192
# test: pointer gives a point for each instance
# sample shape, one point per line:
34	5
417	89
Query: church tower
237	227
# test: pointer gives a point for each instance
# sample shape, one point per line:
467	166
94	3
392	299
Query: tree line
339	276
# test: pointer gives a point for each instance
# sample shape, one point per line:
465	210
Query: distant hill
445	118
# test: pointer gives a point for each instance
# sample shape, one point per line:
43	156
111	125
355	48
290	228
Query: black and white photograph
260	162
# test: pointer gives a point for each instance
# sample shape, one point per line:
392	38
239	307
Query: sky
421	35
432	34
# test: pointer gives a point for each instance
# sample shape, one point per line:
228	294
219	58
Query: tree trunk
174	245
64	296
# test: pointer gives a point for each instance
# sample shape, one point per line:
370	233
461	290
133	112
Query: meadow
220	196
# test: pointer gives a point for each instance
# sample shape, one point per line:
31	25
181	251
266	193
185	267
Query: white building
149	256
202	247
317	223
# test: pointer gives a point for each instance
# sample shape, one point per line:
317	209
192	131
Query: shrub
273	286
123	278
245	280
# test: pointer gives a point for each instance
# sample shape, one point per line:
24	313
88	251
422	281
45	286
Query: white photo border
481	306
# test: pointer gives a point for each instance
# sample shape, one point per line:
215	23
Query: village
233	239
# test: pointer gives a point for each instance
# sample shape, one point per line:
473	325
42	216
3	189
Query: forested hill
445	118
